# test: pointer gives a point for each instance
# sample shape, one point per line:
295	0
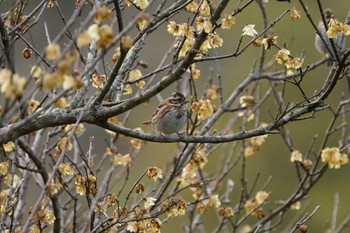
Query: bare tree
92	73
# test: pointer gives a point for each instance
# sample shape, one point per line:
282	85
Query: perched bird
320	46
170	115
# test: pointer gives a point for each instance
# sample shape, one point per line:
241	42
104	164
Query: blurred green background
273	158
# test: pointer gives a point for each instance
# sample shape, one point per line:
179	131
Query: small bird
170	115
320	46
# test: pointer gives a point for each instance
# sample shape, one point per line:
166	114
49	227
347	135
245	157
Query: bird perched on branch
170	115
338	41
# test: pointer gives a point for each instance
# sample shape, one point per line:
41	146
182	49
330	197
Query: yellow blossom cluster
212	202
103	34
134	142
53	188
33	105
15	18
8	147
255	145
203	23
78	130
252	205
139	3
155	173
123	160
335	27
84	185
212	92
195	73
136	74
333	157
144	226
297	156
44	214
203	109
63	143
188	175
110	200
174	206
66	168
98	80
12	85
294	14
64	76
4	168
283	57
226	212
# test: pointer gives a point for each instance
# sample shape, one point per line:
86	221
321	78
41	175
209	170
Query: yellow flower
205	8
226	212
98	81
135	74
296	156
52	80
204	23
4	168
36	72
249	30
212	92
126	42
132	227
249	206
66	168
173	28
135	143
84	39
186	30
52	52
246	100
187	45
214	201
192	6
12	85
307	164
49	216
141	3
261	197
78	130
333	157
15	181
282	56
61	102
143	21
155	173
105	34
203	108
346	30
8	147
269	41
149	202
195	73
296	205
294	14
216	41
102	13
33	105
227	21
127	90
63	142
70	82
80	185
124	160
116	55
